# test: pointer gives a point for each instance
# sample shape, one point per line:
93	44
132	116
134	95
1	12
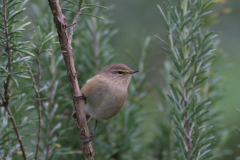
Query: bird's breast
106	102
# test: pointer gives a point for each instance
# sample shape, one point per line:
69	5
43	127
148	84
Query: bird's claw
92	136
90	139
82	97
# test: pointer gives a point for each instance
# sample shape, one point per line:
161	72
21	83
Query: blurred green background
139	18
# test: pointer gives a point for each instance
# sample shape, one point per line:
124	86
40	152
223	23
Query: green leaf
86	1
49	39
74	3
238	129
205	133
56	127
22	76
205	13
11	5
86	8
21	59
199	81
163	14
162	40
19	29
94	5
204	103
93	16
176	122
14	14
23	51
14	80
66	9
80	4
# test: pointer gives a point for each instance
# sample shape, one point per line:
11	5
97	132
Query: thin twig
39	72
72	26
171	145
66	50
39	107
37	90
15	127
1	95
184	6
49	129
7	95
189	142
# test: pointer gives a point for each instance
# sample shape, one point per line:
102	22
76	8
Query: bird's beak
133	71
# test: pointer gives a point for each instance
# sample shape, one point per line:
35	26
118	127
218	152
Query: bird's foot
92	136
90	139
83	97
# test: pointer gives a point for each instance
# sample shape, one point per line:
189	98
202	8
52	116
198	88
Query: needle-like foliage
191	51
36	101
13	77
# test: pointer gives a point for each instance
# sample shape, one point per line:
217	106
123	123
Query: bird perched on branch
106	92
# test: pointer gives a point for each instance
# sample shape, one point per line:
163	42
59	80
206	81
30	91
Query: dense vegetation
37	103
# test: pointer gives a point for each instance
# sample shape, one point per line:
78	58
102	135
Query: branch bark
66	49
72	27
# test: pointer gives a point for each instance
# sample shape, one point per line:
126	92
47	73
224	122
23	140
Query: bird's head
118	72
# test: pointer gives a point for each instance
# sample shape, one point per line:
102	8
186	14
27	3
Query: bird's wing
95	90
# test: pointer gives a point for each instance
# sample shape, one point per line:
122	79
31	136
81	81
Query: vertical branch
171	146
1	103
37	90
189	142
66	49
17	132
6	84
191	53
184	6
49	131
7	95
39	72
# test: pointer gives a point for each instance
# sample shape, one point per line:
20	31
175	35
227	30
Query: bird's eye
120	72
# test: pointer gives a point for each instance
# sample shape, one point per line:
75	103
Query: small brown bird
106	92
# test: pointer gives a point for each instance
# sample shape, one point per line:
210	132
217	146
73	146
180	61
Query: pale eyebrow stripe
122	70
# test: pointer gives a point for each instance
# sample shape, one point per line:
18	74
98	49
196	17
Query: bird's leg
74	116
92	136
88	118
